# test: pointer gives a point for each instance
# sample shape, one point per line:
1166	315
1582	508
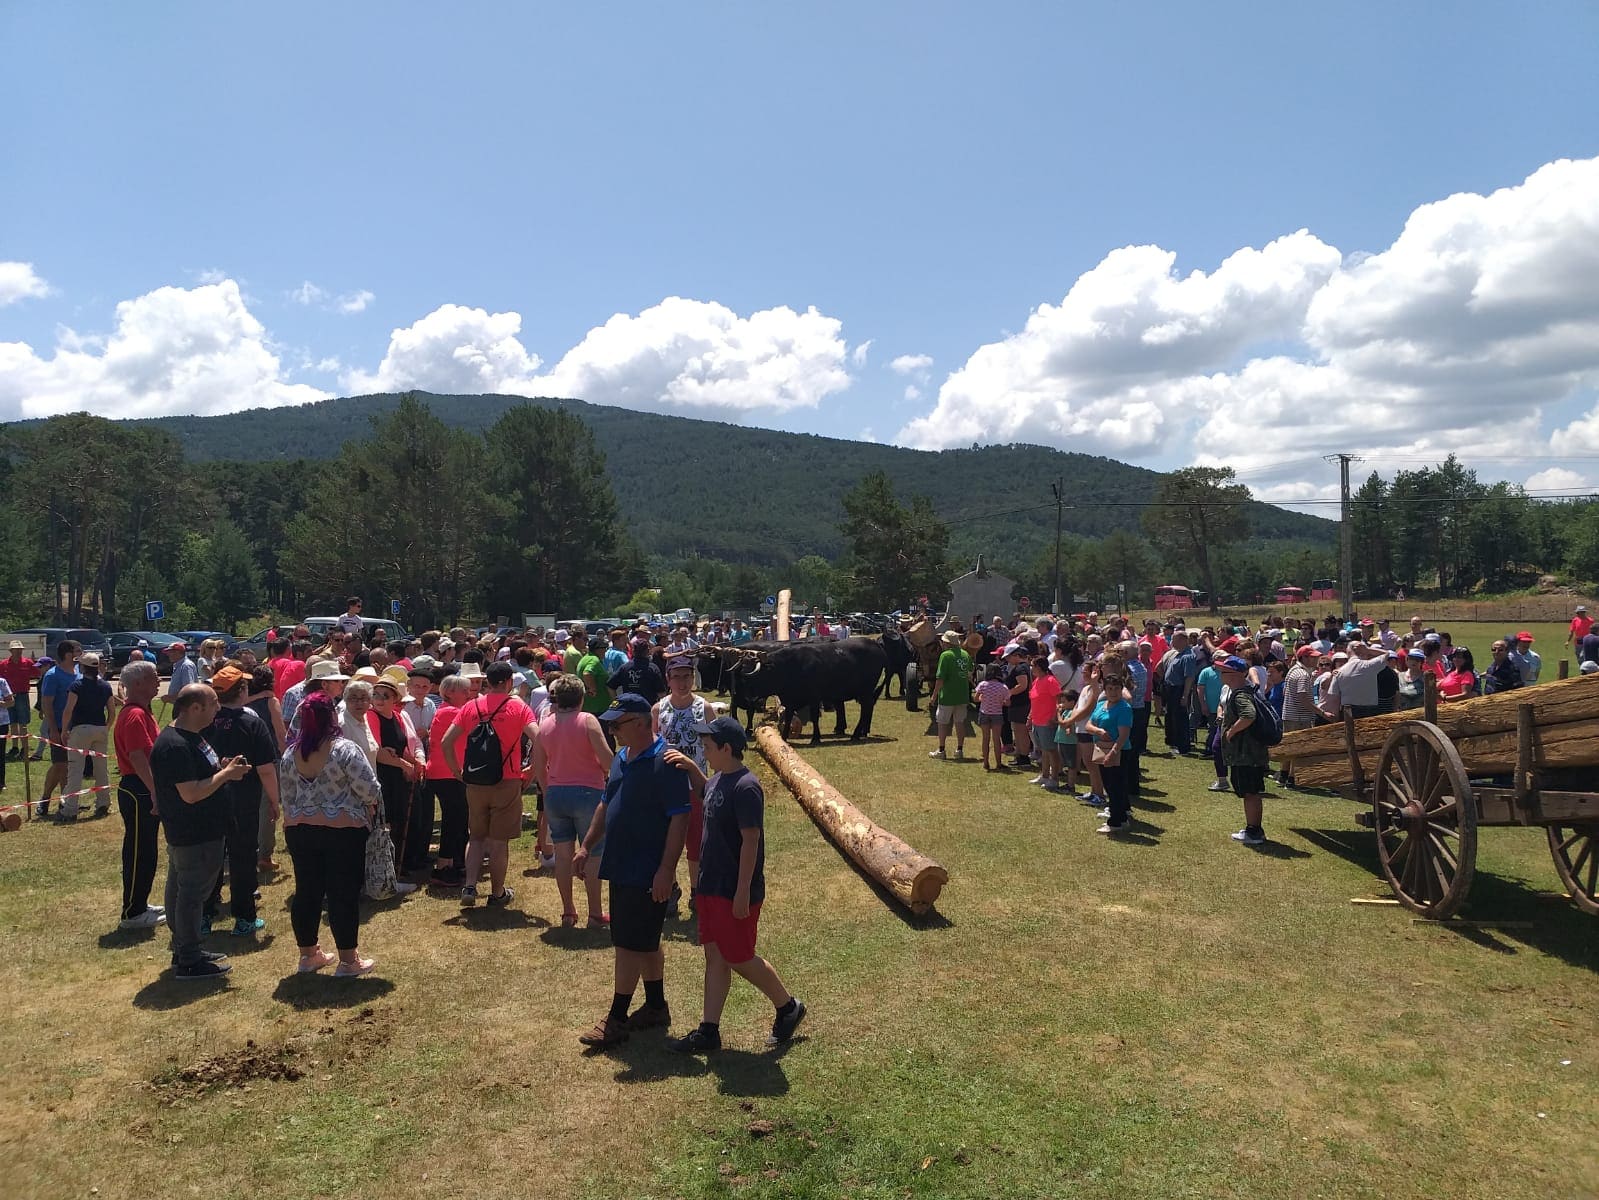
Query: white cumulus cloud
19	281
858	355
1557	479
354	302
172	350
455	349
1458	336
912	364
1099	370
700	357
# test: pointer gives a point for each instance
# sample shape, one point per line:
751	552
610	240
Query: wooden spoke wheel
1426	820
1576	853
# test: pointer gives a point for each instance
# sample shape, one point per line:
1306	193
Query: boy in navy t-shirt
731	887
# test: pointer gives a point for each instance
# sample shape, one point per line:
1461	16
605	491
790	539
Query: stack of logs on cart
1529	756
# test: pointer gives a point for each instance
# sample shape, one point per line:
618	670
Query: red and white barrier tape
39	737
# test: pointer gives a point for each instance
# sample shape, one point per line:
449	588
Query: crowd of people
393	766
1074	698
359	748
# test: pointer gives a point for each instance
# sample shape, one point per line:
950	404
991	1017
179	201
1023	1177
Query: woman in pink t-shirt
450	792
571	759
992	695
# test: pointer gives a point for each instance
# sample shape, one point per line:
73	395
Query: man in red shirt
289	669
493	810
20	672
1581	627
133	736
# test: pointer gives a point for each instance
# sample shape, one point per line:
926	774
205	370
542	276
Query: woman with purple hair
329	794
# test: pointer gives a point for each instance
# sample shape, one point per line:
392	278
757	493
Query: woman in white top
352	718
674	718
330	798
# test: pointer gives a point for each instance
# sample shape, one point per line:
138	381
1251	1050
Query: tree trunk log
909	876
780	628
1562	702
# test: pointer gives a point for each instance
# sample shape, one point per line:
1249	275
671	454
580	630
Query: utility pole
1346	534
1059	489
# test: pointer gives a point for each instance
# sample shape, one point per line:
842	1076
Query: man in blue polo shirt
643	819
1178	686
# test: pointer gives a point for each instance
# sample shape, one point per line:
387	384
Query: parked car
193	637
155	645
599	628
320	627
88	639
258	642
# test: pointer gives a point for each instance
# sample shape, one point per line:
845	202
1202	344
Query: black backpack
1267	726
484	764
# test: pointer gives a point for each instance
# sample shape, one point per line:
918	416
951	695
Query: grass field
1167	1015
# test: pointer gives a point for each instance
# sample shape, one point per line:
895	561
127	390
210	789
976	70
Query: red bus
1173	595
1324	589
1290	595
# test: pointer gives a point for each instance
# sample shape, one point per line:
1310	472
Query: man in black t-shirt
641	676
189	779
731	887
239	732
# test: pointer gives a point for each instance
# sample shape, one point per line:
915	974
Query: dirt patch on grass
332	1043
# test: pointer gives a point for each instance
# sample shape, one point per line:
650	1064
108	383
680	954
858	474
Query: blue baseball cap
724	731
628	704
1233	663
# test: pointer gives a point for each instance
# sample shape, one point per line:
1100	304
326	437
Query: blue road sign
154	610
394	608
771	601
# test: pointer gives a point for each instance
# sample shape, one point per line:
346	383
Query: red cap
1229	643
1307	652
1524	636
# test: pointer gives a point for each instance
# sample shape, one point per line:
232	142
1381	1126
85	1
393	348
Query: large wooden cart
1433	777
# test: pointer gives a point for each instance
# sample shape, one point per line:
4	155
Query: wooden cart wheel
1426	820
1576	853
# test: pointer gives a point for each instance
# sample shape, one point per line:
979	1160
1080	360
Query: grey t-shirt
1357	681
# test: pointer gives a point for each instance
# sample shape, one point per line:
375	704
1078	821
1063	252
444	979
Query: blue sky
923	176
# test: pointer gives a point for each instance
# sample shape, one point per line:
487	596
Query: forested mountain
678	480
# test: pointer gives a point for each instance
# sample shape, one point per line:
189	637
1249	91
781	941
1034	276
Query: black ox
808	676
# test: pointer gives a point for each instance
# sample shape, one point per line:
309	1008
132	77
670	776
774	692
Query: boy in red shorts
731	886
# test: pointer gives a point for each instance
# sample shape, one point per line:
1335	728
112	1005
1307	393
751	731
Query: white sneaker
148	919
402	888
935	754
1107	827
1037	781
1220	785
1249	839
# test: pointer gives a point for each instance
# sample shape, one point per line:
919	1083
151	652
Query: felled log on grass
1562	702
908	875
1574	744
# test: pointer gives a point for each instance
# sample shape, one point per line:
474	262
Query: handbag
1107	754
380	877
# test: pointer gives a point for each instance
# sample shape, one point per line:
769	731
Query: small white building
979	591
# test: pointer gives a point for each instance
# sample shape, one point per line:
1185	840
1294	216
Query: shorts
636	919
951	714
1247	781
1044	734
570	811
494	811
20	711
991	720
58	754
734	938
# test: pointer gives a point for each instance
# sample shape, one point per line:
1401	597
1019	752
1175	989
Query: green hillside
678	479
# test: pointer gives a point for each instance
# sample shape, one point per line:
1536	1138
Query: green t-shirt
591	667
1245	750
570	657
955	677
